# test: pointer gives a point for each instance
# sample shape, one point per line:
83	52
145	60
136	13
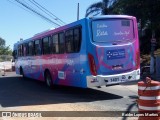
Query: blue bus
90	52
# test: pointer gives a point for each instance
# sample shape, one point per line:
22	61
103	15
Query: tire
48	79
22	73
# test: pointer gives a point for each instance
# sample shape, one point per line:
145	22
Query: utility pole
78	11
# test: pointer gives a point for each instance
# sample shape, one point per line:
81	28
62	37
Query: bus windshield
112	30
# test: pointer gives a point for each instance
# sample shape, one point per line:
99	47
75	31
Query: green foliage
97	8
2	42
147	13
4	50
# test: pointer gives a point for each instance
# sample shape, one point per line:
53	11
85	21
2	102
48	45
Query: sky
16	23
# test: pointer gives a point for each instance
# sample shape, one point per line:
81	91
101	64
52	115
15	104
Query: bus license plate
114	79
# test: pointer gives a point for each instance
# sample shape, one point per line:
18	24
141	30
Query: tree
4	50
147	13
2	42
98	8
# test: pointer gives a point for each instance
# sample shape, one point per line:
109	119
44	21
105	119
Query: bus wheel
48	79
21	72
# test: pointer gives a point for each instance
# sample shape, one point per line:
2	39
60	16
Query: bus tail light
92	64
137	60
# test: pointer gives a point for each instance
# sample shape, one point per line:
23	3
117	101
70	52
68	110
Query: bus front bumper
101	80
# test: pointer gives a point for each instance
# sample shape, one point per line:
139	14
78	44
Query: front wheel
22	73
48	79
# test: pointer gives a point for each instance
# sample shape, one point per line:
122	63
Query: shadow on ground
16	91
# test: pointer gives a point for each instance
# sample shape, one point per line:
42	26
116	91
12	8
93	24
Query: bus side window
20	50
77	39
61	43
24	49
55	48
37	47
69	41
46	45
27	49
31	49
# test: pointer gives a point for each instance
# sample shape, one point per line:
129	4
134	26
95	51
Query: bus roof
21	41
111	16
43	33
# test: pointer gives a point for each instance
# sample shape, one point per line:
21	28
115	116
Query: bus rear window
112	30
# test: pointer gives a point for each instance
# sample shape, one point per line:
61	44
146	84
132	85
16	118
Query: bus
91	52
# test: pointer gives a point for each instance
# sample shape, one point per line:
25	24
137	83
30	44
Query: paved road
18	94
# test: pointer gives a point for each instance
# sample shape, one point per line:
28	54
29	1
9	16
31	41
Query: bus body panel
115	61
96	64
68	65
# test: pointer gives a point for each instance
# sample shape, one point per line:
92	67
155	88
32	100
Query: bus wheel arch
48	78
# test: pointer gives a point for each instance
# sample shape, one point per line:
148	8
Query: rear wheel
48	79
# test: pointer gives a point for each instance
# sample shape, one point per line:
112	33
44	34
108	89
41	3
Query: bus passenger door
30	59
28	67
73	41
36	62
27	61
